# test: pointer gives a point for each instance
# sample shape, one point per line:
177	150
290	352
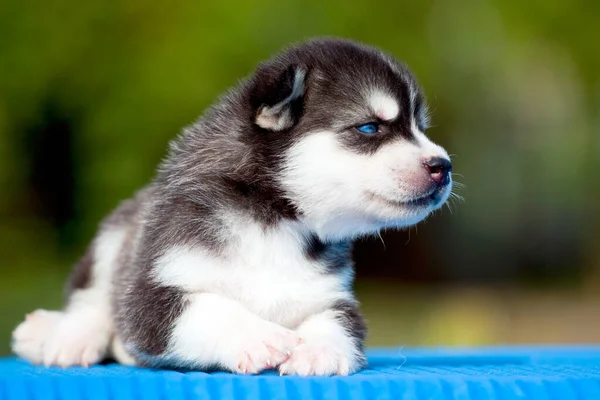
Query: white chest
266	272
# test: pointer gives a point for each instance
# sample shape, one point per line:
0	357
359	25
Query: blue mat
561	373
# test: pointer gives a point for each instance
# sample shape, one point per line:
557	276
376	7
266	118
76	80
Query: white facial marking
384	106
344	194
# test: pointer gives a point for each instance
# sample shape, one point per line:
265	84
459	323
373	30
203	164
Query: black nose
439	168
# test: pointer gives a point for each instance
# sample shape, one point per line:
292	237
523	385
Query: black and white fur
237	255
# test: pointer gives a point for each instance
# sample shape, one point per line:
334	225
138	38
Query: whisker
457	196
455	200
381	238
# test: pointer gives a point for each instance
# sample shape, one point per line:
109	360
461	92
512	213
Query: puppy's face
356	158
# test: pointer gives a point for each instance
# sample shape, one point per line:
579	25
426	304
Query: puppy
237	255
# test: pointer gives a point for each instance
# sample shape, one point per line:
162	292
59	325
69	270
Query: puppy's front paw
320	359
264	347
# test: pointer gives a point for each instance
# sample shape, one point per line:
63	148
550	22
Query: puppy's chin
404	213
365	214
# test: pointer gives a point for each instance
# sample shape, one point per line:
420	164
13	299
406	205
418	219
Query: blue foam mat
561	373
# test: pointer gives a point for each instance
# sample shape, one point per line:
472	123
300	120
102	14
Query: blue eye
368	128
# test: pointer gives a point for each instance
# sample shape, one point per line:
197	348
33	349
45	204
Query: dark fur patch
82	273
273	204
315	248
334	256
272	85
368	144
151	313
352	321
145	311
124	213
176	219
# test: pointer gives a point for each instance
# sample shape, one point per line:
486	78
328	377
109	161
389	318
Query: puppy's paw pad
266	348
310	359
30	335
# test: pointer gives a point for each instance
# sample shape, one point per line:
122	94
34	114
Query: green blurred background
91	92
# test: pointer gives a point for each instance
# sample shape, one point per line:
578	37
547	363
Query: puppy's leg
216	331
80	334
332	343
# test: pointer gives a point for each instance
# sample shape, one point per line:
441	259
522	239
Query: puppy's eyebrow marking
384	106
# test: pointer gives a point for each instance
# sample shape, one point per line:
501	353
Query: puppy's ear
281	99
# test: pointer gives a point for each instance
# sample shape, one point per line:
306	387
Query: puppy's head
348	124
